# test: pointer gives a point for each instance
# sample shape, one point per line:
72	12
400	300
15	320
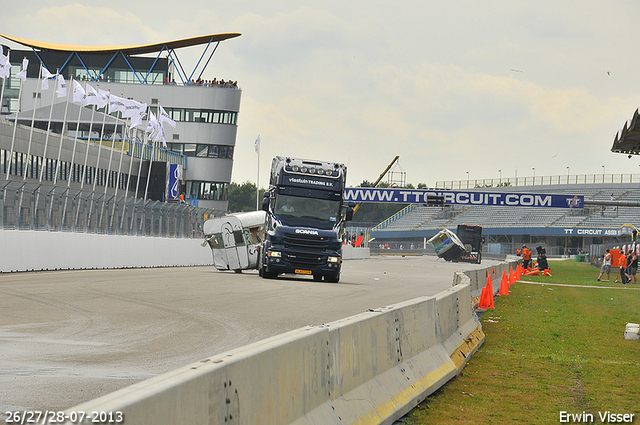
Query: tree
242	198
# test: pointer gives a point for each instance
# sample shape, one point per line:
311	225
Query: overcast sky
452	87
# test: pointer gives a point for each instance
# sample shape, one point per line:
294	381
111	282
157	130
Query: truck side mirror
265	202
349	214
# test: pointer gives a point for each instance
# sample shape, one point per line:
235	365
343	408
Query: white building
202	142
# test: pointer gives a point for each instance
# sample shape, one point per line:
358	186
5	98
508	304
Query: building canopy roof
127	50
627	140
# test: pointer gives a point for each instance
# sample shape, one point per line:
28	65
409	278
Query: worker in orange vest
526	257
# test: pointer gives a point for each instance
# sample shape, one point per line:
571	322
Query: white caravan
235	240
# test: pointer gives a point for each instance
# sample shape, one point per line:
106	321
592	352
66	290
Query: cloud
86	25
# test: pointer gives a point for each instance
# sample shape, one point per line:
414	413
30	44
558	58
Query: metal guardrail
34	206
540	180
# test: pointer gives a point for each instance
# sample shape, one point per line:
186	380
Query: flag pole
143	148
257	147
57	167
84	167
64	123
98	173
33	118
15	123
46	145
119	176
74	169
4	78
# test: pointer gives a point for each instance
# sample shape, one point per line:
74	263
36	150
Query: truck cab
305	217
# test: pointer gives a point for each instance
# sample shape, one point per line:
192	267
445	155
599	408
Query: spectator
606	266
622	265
633	267
526	257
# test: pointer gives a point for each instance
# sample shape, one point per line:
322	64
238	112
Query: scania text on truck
305	218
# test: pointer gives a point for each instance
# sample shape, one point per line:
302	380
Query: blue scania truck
305	218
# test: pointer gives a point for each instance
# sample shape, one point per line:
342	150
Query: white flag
116	104
136	111
152	126
155	130
103	98
4	59
45	77
23	74
256	145
91	97
5	65
165	118
62	86
160	136
78	92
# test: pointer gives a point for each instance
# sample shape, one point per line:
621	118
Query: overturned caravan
235	240
464	246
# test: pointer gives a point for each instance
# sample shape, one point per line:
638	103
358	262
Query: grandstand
560	231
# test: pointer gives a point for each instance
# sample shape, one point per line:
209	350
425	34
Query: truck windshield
307	208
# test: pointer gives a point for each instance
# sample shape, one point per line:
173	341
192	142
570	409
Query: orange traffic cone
483	295
546	272
513	278
504	285
532	272
486	299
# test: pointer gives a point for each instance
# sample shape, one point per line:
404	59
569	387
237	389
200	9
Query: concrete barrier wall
367	369
352	253
477	279
24	250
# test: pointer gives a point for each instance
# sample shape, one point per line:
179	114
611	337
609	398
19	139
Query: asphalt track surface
67	337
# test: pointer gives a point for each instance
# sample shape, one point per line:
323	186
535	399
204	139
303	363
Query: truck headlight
333	259
274	254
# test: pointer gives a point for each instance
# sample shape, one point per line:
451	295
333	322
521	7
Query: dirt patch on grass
578	394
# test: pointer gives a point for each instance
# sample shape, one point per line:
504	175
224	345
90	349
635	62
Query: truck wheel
333	278
268	275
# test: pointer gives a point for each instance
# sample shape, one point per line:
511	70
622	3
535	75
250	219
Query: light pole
603	177
500	171
467	180
568	174
534	175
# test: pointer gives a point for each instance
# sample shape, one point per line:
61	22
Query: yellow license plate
298	271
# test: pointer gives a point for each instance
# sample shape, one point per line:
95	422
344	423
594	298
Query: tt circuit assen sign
451	197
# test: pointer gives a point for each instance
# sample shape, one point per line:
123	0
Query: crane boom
375	184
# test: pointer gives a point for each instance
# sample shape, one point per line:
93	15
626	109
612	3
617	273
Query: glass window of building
189	149
202	151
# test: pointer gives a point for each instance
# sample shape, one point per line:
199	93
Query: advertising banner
173	181
464	197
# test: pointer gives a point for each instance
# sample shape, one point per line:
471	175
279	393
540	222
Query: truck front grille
305	251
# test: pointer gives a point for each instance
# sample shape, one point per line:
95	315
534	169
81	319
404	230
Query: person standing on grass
606	265
526	257
633	267
622	264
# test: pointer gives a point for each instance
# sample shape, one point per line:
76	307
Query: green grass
548	349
